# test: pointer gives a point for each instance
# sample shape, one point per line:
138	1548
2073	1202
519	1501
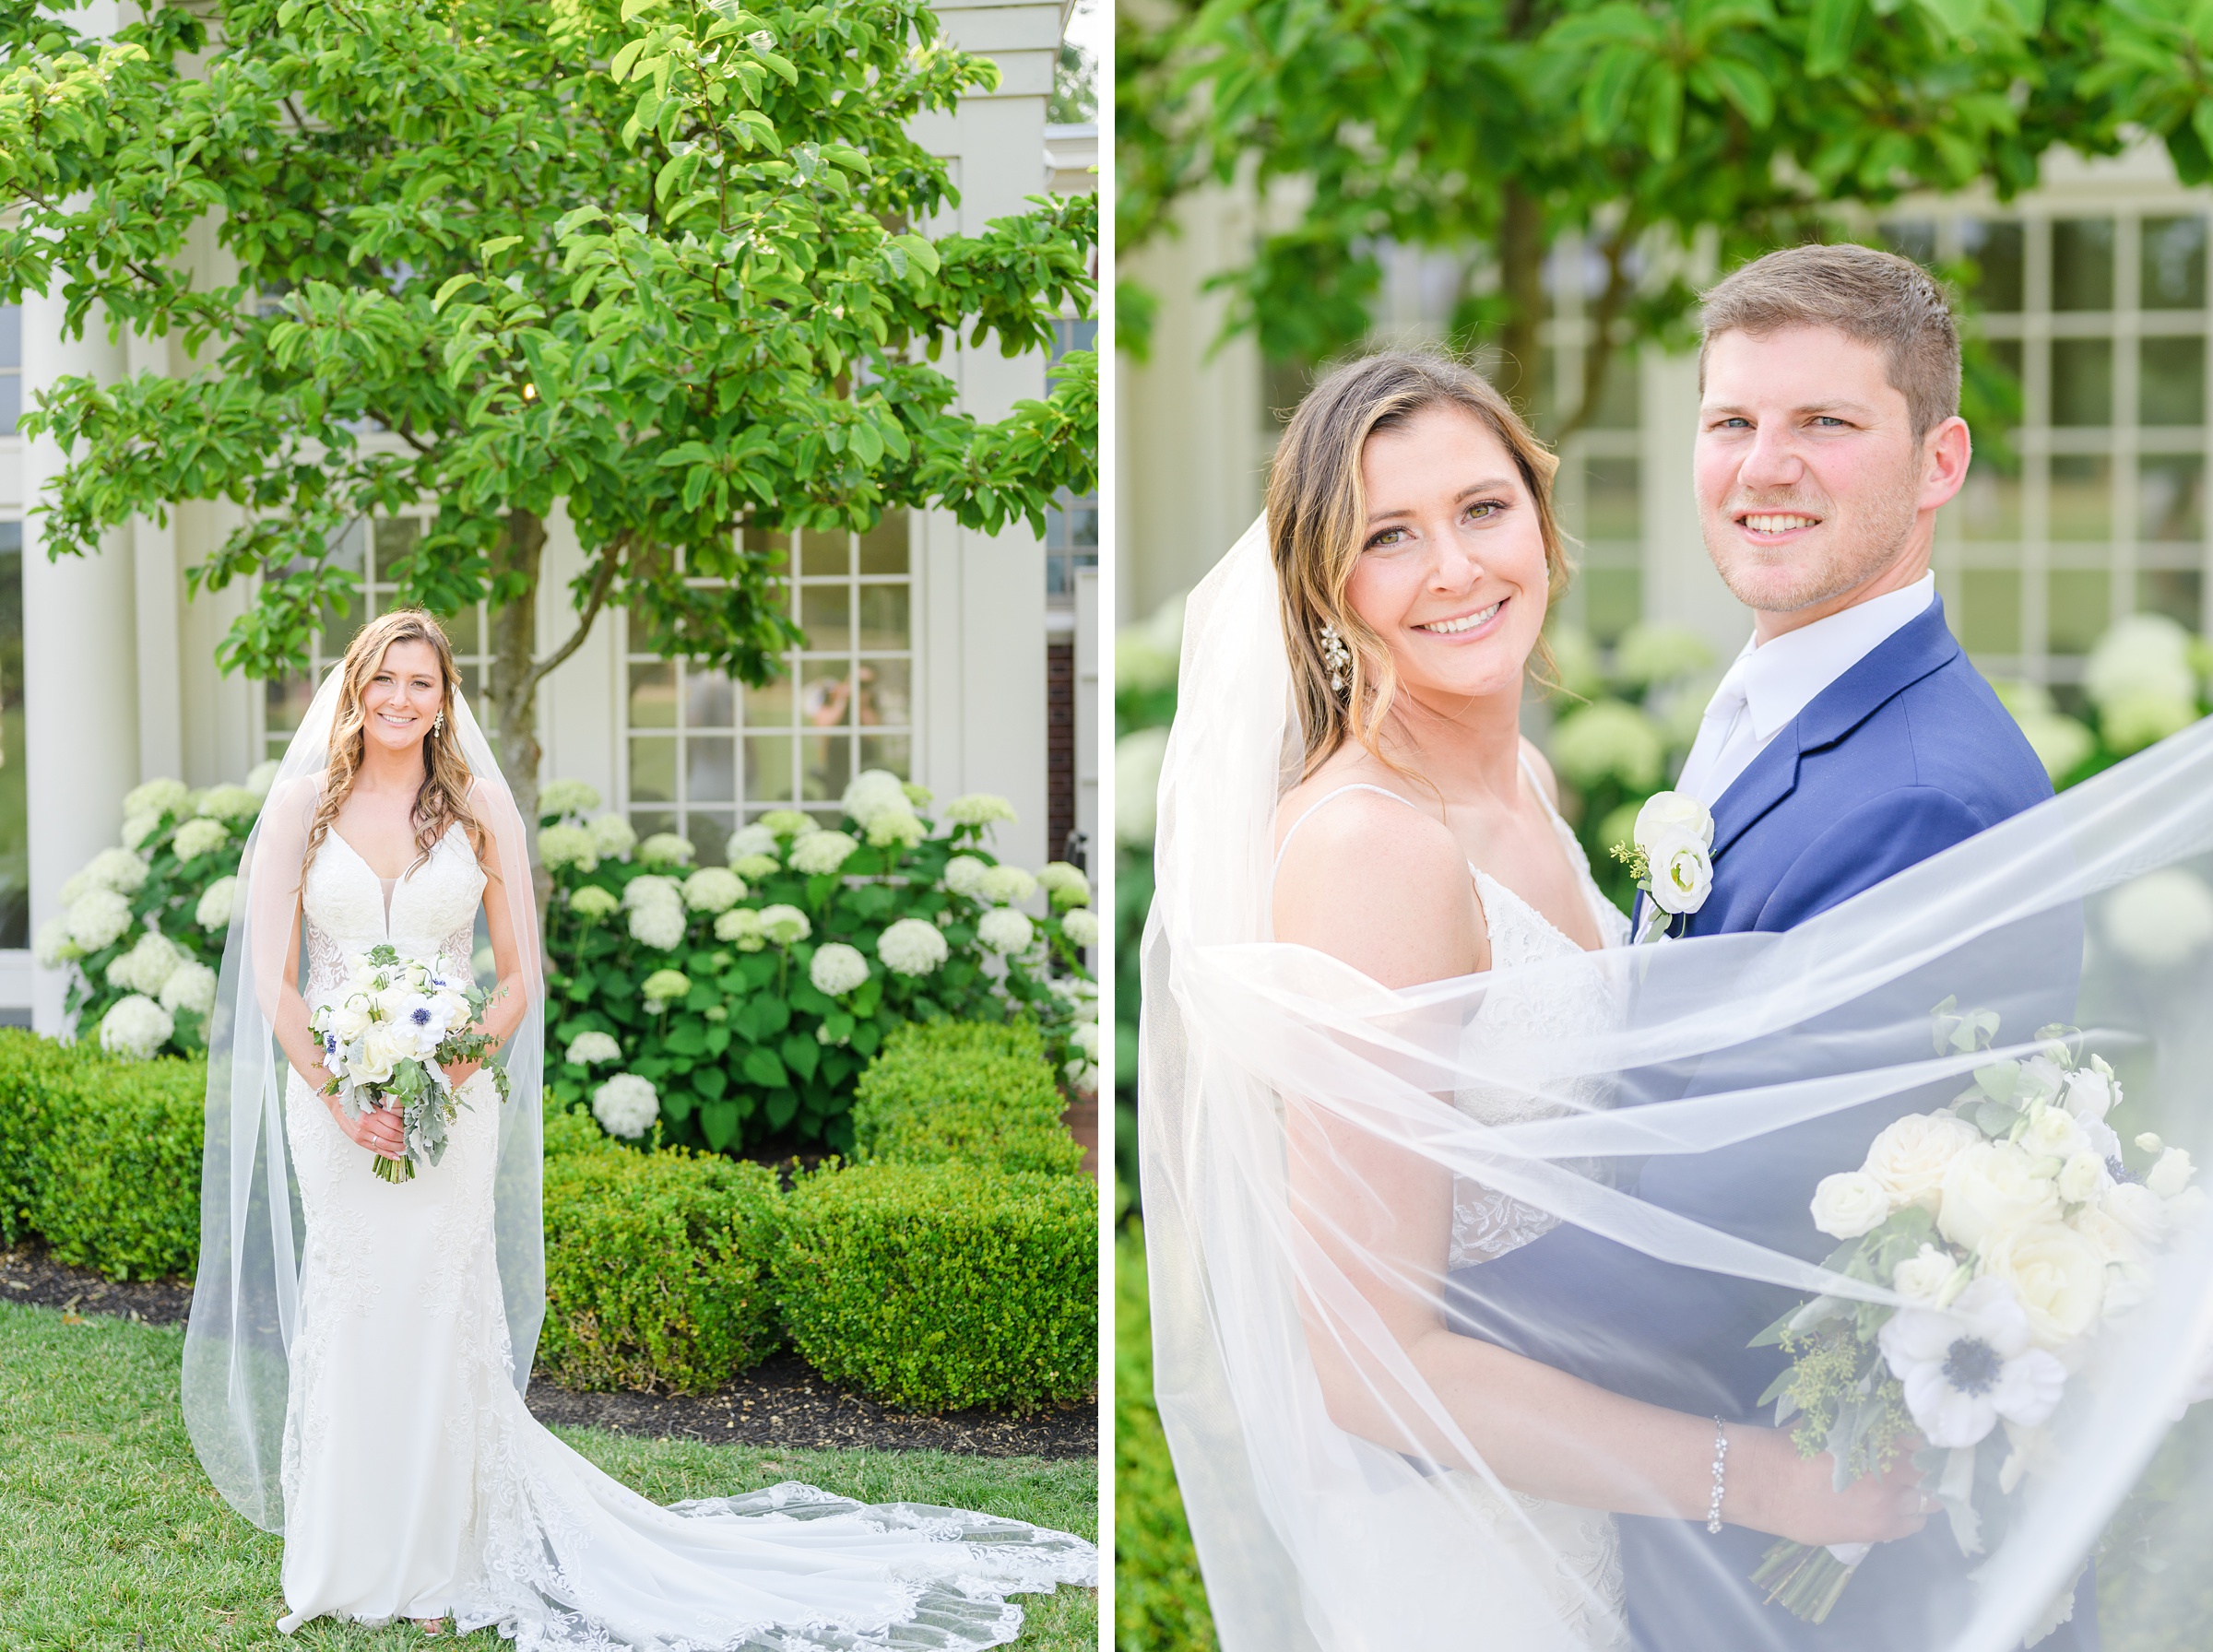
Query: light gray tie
1705	771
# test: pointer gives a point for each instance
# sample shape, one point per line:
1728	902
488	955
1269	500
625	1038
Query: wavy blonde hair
1318	512
442	803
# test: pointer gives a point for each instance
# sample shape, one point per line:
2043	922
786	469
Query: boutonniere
1671	857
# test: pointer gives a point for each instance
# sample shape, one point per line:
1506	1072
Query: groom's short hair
1876	297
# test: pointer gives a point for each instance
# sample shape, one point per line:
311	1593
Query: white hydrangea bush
750	993
142	924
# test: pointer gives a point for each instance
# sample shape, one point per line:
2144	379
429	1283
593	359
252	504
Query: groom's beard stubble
1845	553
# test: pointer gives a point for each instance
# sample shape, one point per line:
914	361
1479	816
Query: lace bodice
432	912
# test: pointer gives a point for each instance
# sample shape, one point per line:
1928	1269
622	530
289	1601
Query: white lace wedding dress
416	1483
1575	1551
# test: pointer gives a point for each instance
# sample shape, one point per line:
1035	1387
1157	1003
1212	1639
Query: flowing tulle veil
244	1306
2092	910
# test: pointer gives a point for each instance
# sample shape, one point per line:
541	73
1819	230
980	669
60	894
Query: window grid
1598	492
1071	523
2104	515
368	547
704	751
11	367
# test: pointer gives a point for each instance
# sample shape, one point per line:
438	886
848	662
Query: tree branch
1598	350
610	562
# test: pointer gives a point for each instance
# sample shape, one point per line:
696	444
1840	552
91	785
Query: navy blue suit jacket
1905	755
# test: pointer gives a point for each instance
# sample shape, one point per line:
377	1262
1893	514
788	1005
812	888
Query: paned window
15	816
2099	508
11	367
706	752
370	548
1599	494
1071	524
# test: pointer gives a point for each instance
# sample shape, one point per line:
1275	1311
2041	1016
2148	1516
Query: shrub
942	1286
952	1092
101	1156
656	1267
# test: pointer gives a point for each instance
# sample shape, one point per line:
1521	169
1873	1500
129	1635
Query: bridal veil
2094	909
245	1303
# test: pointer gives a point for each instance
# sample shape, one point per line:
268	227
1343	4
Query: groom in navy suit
1849	741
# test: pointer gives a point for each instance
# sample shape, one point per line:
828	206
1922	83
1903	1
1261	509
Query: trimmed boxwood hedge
964	1092
941	1286
657	1266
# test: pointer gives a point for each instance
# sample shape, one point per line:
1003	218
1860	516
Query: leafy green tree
662	263
1639	127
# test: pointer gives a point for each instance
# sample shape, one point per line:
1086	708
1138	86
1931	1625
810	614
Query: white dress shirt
1770	683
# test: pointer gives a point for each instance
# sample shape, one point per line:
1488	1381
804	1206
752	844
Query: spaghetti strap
1357	785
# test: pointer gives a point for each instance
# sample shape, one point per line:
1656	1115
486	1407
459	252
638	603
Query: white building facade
2094	293
931	648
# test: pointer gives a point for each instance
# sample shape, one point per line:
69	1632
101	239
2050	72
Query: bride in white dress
367	1399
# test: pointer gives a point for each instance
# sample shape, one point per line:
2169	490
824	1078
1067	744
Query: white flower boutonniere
1671	857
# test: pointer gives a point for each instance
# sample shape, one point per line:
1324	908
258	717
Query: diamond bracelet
1721	1459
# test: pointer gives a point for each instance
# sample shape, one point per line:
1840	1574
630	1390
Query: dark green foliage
960	1093
1159	1599
100	1157
657	1270
939	1287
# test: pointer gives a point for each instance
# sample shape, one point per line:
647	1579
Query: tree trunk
514	674
1521	284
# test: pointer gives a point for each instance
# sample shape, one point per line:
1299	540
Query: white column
80	676
155	600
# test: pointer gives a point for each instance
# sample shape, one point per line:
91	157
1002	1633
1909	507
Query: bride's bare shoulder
1370	875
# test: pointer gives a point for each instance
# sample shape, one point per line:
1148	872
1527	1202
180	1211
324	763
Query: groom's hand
1797	1497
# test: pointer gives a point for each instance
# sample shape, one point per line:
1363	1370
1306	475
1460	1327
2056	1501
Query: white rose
1681	872
1909	1156
2138	1211
2058	1274
2084	1178
2090	1091
1990	1188
2114	1243
2053	1134
1849	1204
2172	1173
1666	814
1930	1278
350	1020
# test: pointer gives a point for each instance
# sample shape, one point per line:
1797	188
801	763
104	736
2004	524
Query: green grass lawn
110	1536
1159	1600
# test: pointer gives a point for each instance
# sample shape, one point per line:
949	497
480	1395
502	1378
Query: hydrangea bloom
1005	930
147	965
2160	920
157	797
837	969
912	946
135	1027
756	866
1082	928
191	986
1006	886
229	802
821	851
262	776
965	876
566	846
588	1047
198	837
592	902
905	829
978	808
917	796
872	792
52	944
626	1105
667	849
786	926
613	837
653	889
713	889
741	926
756	839
664	984
789	822
1084	1035
1609	739
661	927
2144	656
137	829
214	910
98	918
118	869
1064	883
568	797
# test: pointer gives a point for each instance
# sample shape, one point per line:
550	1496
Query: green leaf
632	8
920	249
1828	36
718	1123
1609	86
1746	88
761	1067
454	284
496	245
802	1052
710	1082
620	69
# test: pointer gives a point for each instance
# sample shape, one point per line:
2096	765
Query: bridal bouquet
387	1044
2014	1227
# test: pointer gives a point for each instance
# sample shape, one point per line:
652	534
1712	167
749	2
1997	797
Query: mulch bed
781	1402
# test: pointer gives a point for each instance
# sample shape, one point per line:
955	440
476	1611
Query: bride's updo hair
442	803
1318	513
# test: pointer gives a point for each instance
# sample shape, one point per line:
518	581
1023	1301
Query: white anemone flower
216	900
626	1105
912	946
587	1048
837	969
1005	930
1966	1366
136	1027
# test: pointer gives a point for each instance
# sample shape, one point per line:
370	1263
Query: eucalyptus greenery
662	264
